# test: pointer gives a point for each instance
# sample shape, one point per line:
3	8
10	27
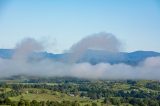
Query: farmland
68	91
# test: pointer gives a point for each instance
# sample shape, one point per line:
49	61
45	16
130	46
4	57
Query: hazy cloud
99	41
26	47
148	69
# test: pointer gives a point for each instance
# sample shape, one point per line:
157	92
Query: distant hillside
132	58
6	53
91	56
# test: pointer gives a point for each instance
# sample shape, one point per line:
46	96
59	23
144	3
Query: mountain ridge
92	56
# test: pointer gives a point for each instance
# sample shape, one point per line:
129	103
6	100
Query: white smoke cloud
103	41
18	64
26	47
148	69
99	41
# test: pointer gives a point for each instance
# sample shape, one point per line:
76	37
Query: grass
2	90
60	97
119	86
47	95
52	96
40	94
5	105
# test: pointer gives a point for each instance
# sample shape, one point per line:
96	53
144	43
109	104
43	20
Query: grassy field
46	97
4	105
54	96
83	92
2	90
51	96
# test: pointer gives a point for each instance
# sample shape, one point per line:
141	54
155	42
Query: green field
79	92
47	95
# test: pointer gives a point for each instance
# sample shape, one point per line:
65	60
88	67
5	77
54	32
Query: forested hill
91	56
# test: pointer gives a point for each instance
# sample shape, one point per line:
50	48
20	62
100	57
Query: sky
62	23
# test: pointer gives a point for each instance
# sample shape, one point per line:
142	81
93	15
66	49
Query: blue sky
62	23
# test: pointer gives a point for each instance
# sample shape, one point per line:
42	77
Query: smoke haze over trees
20	62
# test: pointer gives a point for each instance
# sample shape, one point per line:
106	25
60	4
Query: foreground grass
47	95
52	96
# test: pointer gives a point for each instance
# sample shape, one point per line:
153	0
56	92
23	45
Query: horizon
88	49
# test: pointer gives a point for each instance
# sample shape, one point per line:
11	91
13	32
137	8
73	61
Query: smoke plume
26	47
19	64
99	41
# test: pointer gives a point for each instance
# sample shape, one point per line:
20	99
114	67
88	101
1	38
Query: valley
69	91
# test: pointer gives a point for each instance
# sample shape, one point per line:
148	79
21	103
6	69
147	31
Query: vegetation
66	91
